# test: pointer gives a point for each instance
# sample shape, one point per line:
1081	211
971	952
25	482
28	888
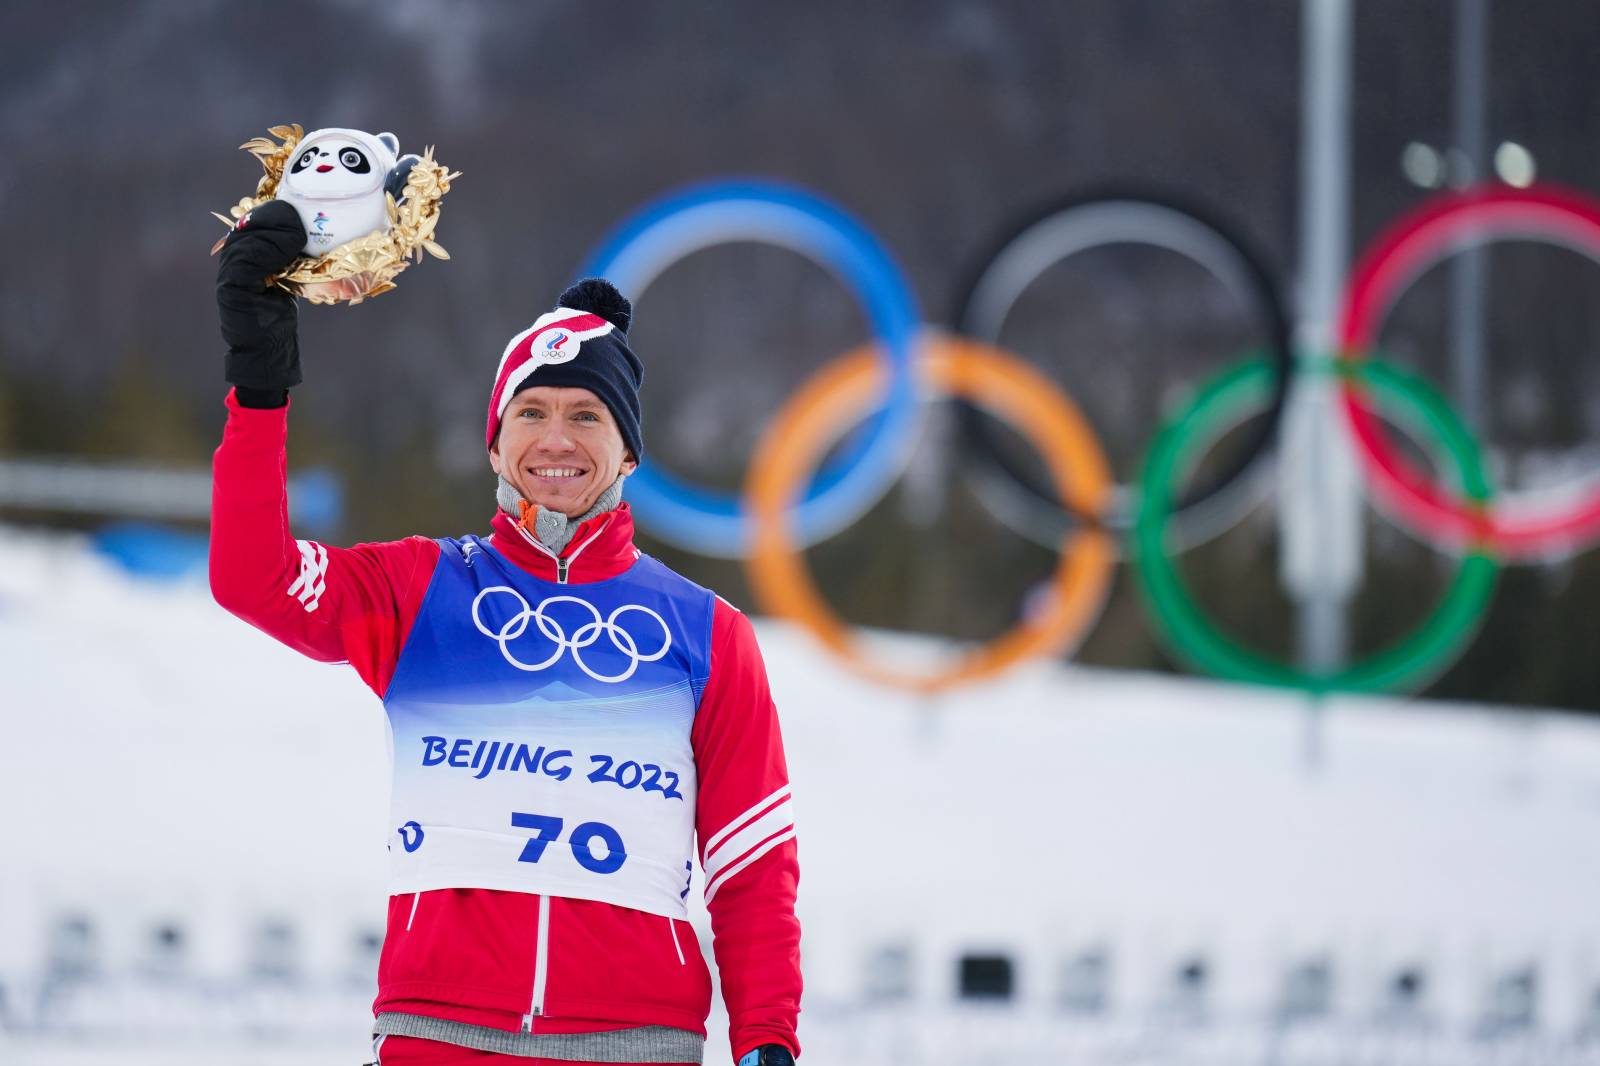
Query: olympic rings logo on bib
582	637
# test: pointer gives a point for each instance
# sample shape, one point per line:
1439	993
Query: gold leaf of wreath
367	265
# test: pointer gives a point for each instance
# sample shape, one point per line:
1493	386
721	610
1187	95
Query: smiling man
573	724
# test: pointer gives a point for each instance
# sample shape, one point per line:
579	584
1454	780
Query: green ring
1191	637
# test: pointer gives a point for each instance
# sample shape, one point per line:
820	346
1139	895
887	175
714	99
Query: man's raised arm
330	603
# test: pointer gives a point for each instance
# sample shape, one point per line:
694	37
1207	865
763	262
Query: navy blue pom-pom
599	297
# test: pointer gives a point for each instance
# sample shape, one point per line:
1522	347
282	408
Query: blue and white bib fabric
541	732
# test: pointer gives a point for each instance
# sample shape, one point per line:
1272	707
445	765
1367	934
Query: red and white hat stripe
515	363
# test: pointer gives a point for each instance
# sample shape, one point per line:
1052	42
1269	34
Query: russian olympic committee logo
555	345
582	637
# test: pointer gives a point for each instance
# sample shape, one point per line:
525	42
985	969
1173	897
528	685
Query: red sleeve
333	604
745	821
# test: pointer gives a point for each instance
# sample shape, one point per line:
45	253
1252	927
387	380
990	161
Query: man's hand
260	323
767	1055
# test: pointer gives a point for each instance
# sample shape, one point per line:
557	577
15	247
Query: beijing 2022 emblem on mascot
369	212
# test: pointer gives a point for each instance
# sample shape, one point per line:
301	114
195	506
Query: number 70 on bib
547	830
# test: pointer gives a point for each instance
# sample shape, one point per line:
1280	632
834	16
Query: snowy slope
158	751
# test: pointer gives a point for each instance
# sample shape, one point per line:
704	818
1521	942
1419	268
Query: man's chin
560	504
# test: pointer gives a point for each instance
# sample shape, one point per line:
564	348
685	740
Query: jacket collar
601	548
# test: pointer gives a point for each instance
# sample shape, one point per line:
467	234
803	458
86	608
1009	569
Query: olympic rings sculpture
1431	647
997	382
1401	254
703	216
786	507
1095	220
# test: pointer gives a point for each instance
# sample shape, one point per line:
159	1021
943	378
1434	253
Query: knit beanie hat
582	343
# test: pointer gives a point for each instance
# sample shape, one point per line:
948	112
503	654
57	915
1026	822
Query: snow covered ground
1137	869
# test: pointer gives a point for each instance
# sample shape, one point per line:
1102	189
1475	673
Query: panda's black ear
391	142
395	183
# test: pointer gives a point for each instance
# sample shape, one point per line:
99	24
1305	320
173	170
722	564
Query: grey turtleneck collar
554	529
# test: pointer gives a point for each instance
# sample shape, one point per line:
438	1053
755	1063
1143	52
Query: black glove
768	1055
259	323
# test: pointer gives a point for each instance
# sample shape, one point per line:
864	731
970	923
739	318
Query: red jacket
467	954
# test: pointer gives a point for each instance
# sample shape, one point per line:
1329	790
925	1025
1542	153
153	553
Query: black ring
984	446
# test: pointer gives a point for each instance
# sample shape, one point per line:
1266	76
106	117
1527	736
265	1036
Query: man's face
560	447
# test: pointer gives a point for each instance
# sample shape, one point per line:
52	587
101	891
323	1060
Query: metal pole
1469	276
1321	516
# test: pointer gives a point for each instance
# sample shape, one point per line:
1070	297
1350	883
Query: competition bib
541	733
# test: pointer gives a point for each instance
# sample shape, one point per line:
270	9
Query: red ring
1415	243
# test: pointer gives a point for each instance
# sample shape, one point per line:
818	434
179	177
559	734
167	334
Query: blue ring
702	216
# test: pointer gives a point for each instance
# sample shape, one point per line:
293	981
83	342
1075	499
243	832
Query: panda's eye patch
304	161
354	161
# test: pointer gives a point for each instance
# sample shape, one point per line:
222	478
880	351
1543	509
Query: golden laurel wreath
367	265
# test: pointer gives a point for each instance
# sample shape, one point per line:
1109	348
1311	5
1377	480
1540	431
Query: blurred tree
134	414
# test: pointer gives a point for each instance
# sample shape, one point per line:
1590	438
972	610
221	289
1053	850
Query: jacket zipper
563	564
541	951
541	966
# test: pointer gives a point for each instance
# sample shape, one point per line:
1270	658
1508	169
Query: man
567	714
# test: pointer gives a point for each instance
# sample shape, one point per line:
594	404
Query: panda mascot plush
336	180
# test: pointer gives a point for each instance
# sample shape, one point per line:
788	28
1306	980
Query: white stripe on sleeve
728	872
760	830
738	823
311	584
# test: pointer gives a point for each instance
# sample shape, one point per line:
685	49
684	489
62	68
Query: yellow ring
840	395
